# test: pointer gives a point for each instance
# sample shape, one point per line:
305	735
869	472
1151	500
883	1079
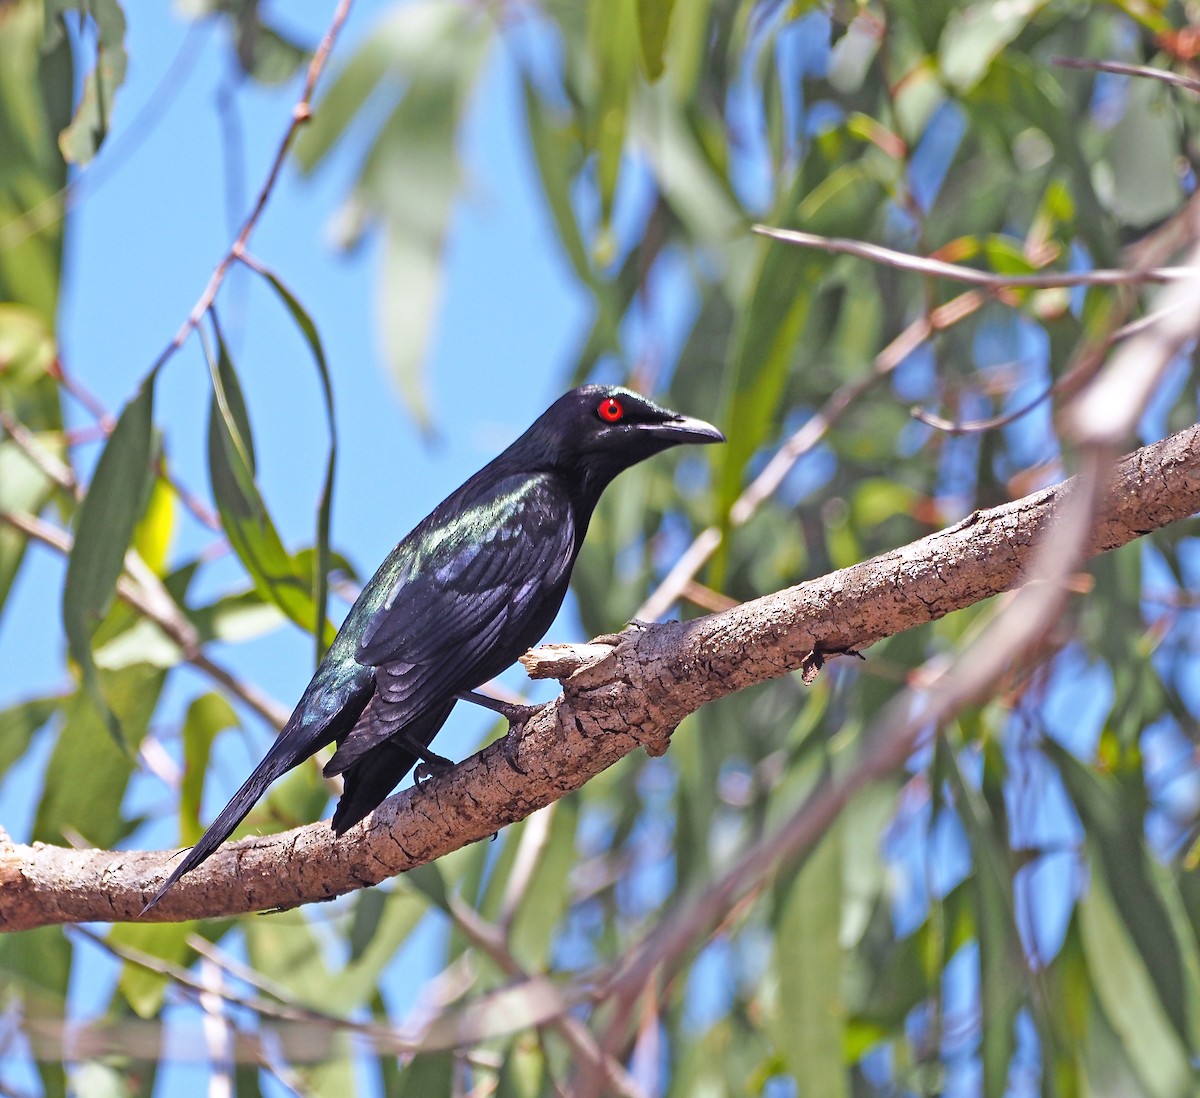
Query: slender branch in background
47	463
490	939
301	113
1121	68
145	593
675	584
95	407
458	1029
937	268
971	426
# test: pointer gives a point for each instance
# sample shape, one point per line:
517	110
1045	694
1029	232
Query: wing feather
486	588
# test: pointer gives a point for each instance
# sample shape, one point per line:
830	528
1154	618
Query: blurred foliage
1017	911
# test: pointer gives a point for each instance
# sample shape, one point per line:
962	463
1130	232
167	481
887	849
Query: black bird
476	583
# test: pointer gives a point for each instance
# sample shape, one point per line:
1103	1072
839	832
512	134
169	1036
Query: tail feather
222	827
309	728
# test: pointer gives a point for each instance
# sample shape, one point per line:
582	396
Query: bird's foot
430	767
512	740
512	712
517	716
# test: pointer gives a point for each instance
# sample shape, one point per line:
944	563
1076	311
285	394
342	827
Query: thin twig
971	426
47	463
578	1037
301	113
990	280
146	594
1122	68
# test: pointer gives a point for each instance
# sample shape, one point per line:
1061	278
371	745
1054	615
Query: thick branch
633	693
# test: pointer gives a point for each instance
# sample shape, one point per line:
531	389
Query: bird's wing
480	590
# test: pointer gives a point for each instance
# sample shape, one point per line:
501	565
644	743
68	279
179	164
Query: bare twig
990	280
1122	68
966	427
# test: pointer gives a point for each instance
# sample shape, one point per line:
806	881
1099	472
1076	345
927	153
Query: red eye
610	410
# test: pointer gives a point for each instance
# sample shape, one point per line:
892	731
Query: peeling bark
616	696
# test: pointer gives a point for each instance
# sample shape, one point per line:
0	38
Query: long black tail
231	815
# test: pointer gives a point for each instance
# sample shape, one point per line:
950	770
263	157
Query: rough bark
615	697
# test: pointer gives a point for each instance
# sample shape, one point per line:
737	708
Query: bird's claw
512	742
431	767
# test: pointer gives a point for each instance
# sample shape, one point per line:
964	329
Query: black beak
682	429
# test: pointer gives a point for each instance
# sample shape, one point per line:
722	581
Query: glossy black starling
460	598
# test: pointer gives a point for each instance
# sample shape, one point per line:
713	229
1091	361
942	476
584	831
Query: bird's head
599	430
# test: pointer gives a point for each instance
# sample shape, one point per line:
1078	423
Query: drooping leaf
104	529
88	771
433	54
244	515
321	559
82	139
207	716
654	19
811	1014
19	723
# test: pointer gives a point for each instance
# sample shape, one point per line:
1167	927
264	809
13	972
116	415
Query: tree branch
617	697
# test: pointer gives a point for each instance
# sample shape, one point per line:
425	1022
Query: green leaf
36	84
1114	833
24	490
547	894
1128	993
558	156
82	139
264	53
244	516
612	34
432	1073
18	725
26	345
810	1025
654	19
40	960
1146	186
104	528
975	35
411	36
208	715
142	988
433	54
428	880
321	560
88	772
785	285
